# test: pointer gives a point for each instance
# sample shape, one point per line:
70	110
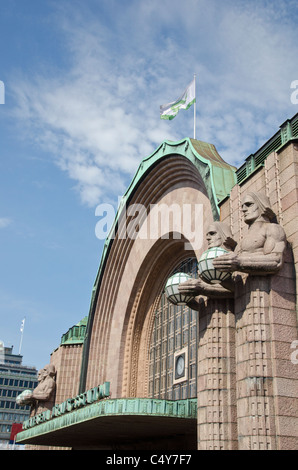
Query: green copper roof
218	176
75	334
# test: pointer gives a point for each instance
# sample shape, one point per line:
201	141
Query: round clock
180	366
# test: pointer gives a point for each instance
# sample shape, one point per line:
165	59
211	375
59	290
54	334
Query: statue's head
256	205
47	371
50	370
219	234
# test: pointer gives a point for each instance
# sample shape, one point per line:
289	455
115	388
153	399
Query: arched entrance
134	269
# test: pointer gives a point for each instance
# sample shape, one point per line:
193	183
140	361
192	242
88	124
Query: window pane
174	328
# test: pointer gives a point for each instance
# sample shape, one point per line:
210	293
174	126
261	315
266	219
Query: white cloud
101	117
5	222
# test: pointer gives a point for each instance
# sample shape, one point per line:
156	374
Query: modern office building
217	372
14	378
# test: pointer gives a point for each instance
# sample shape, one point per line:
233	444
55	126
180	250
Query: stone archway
124	292
139	320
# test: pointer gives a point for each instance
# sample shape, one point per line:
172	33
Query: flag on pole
22	326
22	332
170	110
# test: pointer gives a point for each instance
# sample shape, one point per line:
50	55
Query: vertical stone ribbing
255	399
216	376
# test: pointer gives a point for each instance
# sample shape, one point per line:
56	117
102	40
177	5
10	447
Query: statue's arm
269	261
197	287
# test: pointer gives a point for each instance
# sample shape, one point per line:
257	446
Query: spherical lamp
206	268
172	291
24	398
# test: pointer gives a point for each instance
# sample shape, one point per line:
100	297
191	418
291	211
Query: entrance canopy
117	422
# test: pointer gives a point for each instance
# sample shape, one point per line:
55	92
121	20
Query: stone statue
47	384
263	247
43	392
218	235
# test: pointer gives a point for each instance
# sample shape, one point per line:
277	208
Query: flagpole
194	111
22	332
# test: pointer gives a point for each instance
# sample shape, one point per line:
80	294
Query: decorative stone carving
218	235
261	254
47	384
216	352
43	392
262	249
216	385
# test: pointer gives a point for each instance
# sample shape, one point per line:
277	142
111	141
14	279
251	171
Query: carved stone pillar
217	428
255	402
265	328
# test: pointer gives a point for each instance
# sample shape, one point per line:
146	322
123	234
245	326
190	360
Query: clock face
180	366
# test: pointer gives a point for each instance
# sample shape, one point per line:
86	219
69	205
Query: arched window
173	347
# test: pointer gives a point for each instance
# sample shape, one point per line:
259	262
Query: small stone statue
46	385
44	390
263	247
218	235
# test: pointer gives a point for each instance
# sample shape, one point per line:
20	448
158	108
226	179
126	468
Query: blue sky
83	85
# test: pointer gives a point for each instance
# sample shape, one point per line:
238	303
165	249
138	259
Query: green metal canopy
116	421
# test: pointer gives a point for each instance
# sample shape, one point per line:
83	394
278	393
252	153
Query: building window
174	334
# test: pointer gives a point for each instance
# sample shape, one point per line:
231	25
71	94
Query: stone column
266	378
255	402
217	428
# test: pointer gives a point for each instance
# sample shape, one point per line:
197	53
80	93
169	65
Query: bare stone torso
255	239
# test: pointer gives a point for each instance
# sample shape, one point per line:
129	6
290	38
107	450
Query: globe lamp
24	398
206	268
172	291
